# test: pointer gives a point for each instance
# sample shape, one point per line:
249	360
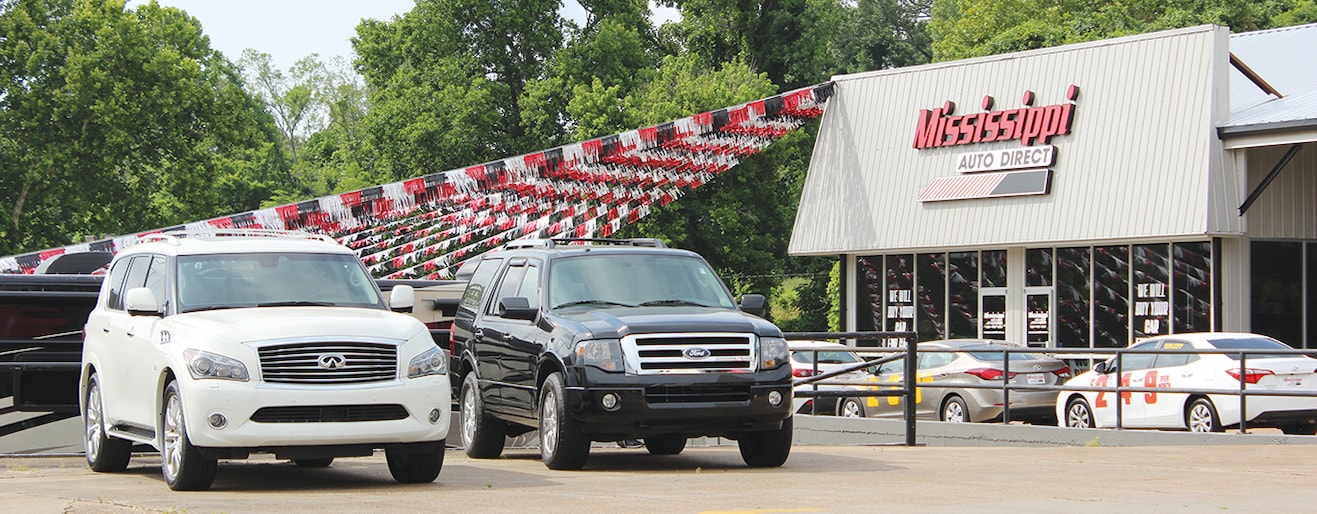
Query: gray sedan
951	363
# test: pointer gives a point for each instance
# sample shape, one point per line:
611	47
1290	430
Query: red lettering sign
1030	125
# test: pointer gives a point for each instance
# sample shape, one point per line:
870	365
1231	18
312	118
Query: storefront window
1038	267
1311	276
1277	292
932	277
963	295
869	293
1192	281
1111	306
900	300
1072	297
994	268
1152	301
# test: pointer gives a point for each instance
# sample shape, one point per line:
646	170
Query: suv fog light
217	420
775	398
609	401
434	416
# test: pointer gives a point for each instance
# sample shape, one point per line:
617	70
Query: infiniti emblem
696	353
332	360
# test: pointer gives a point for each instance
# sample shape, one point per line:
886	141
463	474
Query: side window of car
479	286
1137	361
1182	356
137	273
114	285
530	285
935	360
507	287
156	276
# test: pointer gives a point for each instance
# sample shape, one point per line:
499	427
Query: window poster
900	299
1152	299
994	317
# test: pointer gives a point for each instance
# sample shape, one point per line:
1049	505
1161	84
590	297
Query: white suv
214	345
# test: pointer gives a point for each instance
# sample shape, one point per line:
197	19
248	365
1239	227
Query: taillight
452	343
987	373
1251	375
802	372
1064	372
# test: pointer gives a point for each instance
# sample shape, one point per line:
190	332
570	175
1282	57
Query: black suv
611	340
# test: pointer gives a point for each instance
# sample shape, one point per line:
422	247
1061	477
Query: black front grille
697	394
329	413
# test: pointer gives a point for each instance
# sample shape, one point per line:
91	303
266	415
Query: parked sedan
809	358
952	363
1182	368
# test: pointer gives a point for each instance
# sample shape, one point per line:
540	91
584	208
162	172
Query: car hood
623	321
263	323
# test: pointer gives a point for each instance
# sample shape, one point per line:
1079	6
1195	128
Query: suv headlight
772	352
429	362
203	365
605	354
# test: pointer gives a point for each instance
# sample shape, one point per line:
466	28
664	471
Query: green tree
291	98
448	78
963	28
115	121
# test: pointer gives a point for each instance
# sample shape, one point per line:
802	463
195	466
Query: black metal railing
906	388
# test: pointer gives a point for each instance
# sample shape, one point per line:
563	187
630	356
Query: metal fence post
911	356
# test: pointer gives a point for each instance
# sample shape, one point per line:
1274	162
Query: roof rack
173	237
551	243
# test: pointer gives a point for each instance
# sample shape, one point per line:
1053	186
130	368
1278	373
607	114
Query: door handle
105	329
478	333
131	333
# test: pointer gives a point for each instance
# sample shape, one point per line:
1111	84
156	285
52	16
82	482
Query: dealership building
1082	196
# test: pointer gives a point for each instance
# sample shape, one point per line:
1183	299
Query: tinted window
1134	361
1169	360
828	357
114	284
477	288
1248	343
935	360
507	287
995	354
137	273
530	286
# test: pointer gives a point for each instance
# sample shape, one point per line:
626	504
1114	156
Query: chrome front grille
329	362
651	354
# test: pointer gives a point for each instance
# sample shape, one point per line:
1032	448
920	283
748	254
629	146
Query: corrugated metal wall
1141	160
1287	209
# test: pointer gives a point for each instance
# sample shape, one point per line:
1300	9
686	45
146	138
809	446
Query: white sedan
1182	368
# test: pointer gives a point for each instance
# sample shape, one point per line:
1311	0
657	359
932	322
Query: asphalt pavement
817	478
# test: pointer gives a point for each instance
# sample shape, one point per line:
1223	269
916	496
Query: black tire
768	449
483	436
104	453
1201	416
415	467
851	408
184	467
1299	429
562	443
1078	414
954	410
667	444
313	463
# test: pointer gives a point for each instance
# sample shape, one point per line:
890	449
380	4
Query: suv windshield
223	281
635	280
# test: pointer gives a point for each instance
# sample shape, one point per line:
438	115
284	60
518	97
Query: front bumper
694	405
321	415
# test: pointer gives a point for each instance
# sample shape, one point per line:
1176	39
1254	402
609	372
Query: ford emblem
696	353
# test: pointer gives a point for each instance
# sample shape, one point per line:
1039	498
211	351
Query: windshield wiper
213	308
673	301
296	303
584	302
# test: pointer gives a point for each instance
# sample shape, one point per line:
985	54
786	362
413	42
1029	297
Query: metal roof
1283	58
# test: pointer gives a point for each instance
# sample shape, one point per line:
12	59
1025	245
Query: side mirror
140	301
402	298
753	304
1102	368
516	307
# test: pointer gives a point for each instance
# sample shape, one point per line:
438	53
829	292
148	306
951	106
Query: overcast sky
289	30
